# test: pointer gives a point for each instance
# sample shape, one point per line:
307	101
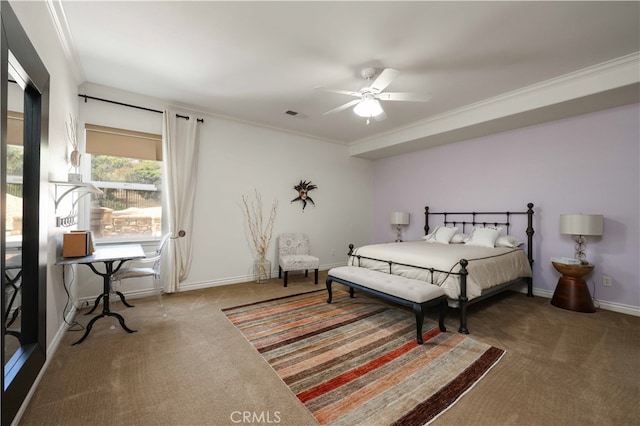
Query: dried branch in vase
261	231
72	137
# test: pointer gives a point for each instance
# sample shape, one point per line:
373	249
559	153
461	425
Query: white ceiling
253	61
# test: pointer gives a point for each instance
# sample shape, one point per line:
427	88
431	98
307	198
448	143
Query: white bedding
488	267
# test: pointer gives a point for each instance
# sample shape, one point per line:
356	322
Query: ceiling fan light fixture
368	108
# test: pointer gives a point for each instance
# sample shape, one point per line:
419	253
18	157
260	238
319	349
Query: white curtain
180	167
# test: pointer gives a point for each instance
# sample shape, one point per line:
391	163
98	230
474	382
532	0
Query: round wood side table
571	291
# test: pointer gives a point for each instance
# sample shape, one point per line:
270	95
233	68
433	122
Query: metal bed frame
472	219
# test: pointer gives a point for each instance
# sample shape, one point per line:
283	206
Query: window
127	167
15	161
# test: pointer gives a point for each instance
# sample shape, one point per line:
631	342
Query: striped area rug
356	361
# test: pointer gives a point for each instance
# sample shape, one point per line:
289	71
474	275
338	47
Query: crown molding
582	84
59	20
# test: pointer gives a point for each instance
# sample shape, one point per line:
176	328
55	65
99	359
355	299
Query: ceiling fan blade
342	92
343	107
403	96
384	79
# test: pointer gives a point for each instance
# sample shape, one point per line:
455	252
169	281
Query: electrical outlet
607	281
333	252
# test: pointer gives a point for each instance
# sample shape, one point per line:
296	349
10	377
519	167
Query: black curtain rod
200	120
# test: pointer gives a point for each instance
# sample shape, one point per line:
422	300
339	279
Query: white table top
106	254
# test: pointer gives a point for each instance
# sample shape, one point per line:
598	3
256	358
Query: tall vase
262	270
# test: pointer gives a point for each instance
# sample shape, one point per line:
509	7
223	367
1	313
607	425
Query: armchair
293	255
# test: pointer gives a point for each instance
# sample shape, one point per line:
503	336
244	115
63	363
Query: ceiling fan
367	105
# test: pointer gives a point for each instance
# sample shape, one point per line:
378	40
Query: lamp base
580	249
398	234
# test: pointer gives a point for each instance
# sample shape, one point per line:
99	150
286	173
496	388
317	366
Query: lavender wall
585	164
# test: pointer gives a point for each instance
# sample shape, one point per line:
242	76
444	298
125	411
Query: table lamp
580	225
399	219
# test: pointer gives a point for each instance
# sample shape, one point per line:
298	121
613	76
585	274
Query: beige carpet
195	368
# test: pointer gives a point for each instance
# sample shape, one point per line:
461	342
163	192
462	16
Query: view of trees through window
15	160
130	204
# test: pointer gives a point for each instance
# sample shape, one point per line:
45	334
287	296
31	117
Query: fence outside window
126	212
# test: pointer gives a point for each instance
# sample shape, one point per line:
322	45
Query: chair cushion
296	262
125	273
395	285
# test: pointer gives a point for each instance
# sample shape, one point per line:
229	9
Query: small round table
572	292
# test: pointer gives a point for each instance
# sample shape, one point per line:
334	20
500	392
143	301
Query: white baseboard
618	307
601	304
131	294
241	279
136	294
548	294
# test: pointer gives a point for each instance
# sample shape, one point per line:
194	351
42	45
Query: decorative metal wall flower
303	189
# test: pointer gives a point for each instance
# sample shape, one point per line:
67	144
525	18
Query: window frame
86	202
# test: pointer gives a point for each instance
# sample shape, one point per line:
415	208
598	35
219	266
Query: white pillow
441	234
484	237
508	241
459	238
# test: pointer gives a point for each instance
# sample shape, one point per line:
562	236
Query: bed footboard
463	300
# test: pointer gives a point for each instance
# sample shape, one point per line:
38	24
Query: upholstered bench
406	291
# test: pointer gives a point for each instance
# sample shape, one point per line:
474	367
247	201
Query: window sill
124	240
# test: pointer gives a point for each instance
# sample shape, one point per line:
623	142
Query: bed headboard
485	219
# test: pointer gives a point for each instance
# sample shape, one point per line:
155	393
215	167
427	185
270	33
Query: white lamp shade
581	224
368	108
399	218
